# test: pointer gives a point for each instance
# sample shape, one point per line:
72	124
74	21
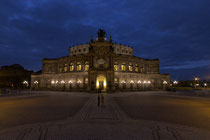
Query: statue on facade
101	33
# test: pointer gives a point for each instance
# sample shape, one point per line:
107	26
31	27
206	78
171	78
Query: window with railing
141	68
86	66
115	66
79	66
60	68
136	68
65	68
130	67
123	67
71	67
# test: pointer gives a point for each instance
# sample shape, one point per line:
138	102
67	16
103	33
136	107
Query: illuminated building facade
100	63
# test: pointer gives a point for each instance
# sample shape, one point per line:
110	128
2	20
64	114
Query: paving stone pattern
103	122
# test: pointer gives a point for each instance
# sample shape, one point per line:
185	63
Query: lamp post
205	85
63	84
25	83
175	83
131	84
70	84
165	84
149	84
196	82
144	84
36	84
139	84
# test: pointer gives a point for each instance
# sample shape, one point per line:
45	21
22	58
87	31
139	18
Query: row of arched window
71	67
122	67
131	67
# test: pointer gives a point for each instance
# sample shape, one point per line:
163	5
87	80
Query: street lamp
139	82
196	79
165	82
36	84
63	83
196	82
25	83
175	82
205	84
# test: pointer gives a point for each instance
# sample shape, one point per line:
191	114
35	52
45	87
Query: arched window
141	68
65	68
130	67
71	66
86	80
116	80
136	68
123	67
115	66
60	68
86	66
79	66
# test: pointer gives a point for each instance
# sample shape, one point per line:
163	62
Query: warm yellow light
104	84
70	82
36	82
205	84
139	82
52	82
79	81
56	82
196	78
145	82
62	82
131	81
97	84
149	82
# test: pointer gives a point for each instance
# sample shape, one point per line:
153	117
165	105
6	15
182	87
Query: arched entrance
101	82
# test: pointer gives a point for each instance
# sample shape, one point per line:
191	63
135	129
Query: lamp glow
25	82
165	82
123	81
175	82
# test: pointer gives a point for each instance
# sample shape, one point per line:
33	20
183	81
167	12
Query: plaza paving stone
106	122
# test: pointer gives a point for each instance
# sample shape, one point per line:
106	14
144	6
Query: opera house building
100	63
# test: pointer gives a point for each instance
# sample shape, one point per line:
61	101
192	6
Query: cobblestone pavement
103	123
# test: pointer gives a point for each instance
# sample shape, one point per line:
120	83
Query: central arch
101	82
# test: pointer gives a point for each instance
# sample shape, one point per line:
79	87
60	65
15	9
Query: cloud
175	32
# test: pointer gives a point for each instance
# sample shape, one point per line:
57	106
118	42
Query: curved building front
100	63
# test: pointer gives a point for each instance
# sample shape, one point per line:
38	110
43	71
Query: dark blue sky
177	32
